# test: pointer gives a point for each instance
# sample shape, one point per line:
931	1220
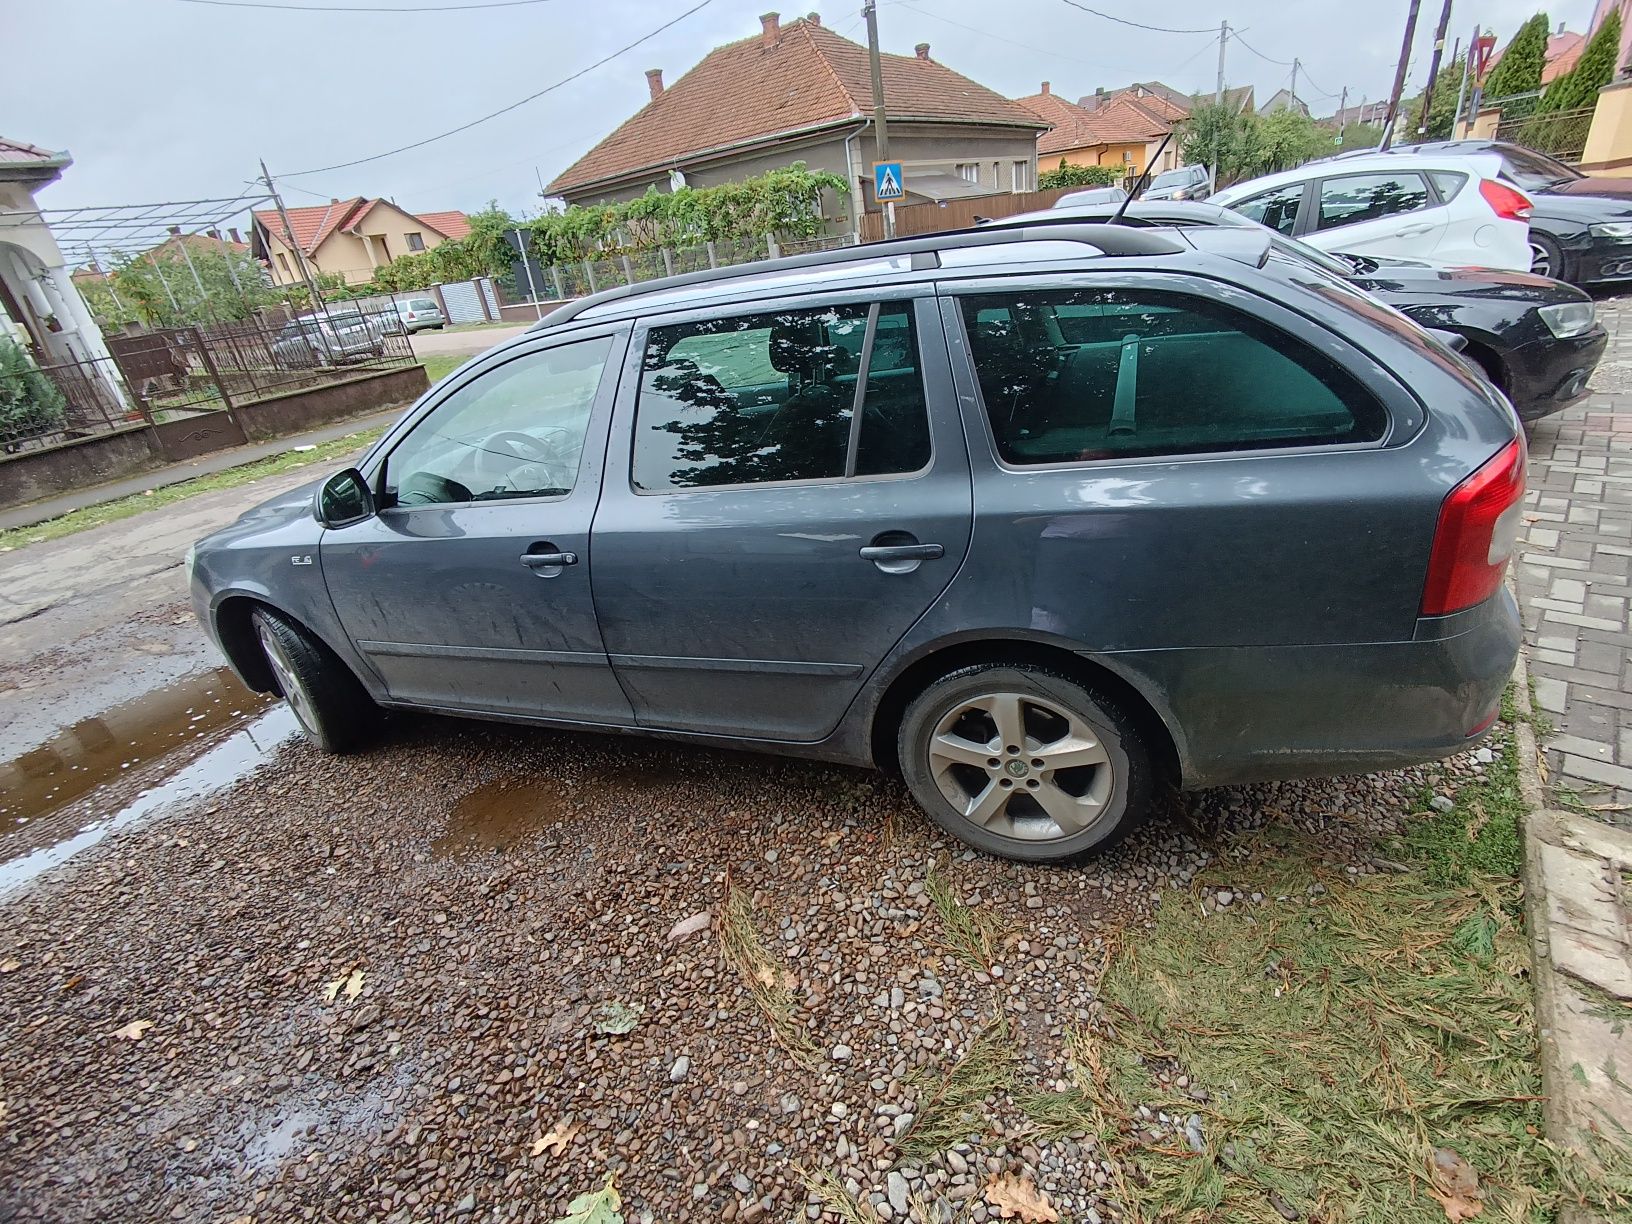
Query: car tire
1546	256
334	711
952	733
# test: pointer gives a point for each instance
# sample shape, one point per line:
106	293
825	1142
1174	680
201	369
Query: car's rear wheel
1025	763
1546	257
332	708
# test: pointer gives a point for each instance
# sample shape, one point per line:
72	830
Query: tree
1579	87
1285	139
1519	70
1221	135
1066	175
1359	136
158	287
1441	106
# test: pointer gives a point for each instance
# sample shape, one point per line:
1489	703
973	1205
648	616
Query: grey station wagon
1041	518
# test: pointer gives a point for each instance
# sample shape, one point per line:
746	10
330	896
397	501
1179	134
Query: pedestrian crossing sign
888	183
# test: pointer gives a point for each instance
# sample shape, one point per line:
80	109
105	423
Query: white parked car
1445	210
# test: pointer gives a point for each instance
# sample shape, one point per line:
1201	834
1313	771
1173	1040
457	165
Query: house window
283	263
416	242
969	172
1022	176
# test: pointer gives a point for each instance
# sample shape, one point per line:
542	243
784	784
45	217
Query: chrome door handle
548	560
902	552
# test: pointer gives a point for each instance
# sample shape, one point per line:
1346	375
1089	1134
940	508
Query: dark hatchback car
1581	224
1538	340
1038	517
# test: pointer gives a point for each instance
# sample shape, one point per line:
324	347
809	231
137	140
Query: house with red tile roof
1123	130
800	92
349	238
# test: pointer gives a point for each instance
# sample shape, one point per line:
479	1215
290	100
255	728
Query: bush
30	403
1066	175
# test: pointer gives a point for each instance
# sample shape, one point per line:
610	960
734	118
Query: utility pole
294	243
1433	66
1462	89
1342	119
1399	75
1218	101
1294	89
881	133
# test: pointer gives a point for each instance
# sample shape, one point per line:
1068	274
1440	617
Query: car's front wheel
1546	257
1025	763
333	709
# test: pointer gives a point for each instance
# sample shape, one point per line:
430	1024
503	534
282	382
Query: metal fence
164	374
570	280
1561	134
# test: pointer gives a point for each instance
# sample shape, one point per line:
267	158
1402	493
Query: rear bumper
1548	375
1257	713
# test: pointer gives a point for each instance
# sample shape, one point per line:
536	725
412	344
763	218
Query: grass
137	503
439	365
769	981
970	935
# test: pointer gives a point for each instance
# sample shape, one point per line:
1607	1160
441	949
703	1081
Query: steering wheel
527	463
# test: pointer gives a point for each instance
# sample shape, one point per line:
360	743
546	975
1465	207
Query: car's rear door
470	589
751	569
1376	212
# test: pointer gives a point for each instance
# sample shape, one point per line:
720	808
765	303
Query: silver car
316	340
1042	518
419	314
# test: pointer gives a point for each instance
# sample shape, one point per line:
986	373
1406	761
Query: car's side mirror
345	498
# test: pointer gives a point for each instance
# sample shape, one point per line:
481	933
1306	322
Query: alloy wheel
294	692
1021	766
1541	262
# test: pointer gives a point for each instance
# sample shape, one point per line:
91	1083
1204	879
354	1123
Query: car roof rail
923	249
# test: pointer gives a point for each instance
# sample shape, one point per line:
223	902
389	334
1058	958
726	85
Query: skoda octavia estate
1039	517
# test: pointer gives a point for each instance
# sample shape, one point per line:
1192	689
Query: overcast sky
167	100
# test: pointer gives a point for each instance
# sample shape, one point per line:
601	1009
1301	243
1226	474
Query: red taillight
1506	203
410	316
1478	528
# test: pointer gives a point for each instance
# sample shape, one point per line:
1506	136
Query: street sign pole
881	131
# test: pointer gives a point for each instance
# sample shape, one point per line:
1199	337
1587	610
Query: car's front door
469	590
1377	213
755	562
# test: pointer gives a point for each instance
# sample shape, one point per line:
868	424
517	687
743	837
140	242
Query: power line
922	12
1258	53
358	8
1139	25
465	127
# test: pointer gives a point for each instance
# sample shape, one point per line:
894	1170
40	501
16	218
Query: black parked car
1537	339
1581	227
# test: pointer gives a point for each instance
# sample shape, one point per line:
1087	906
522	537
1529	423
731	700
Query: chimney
654	81
922	51
815	19
235	237
175	231
1045	87
1560	29
1099	91
770	29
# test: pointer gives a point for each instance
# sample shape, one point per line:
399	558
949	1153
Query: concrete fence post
668	262
589	271
560	289
713	259
771	247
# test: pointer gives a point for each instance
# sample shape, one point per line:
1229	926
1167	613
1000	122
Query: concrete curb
1576	913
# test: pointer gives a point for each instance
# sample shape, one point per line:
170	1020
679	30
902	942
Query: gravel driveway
370	988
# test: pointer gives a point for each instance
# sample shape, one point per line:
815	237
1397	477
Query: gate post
208	359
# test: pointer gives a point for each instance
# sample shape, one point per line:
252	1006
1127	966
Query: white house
36	292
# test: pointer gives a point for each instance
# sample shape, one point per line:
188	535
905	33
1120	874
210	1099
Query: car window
771	397
515	431
1448	183
423	304
1083	374
1534	170
1367	197
1276	208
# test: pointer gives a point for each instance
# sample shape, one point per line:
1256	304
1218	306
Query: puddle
497	815
95	750
221	766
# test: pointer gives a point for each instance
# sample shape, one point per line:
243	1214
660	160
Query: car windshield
1534	170
1174	178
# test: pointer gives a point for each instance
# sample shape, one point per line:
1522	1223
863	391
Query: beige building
349	238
